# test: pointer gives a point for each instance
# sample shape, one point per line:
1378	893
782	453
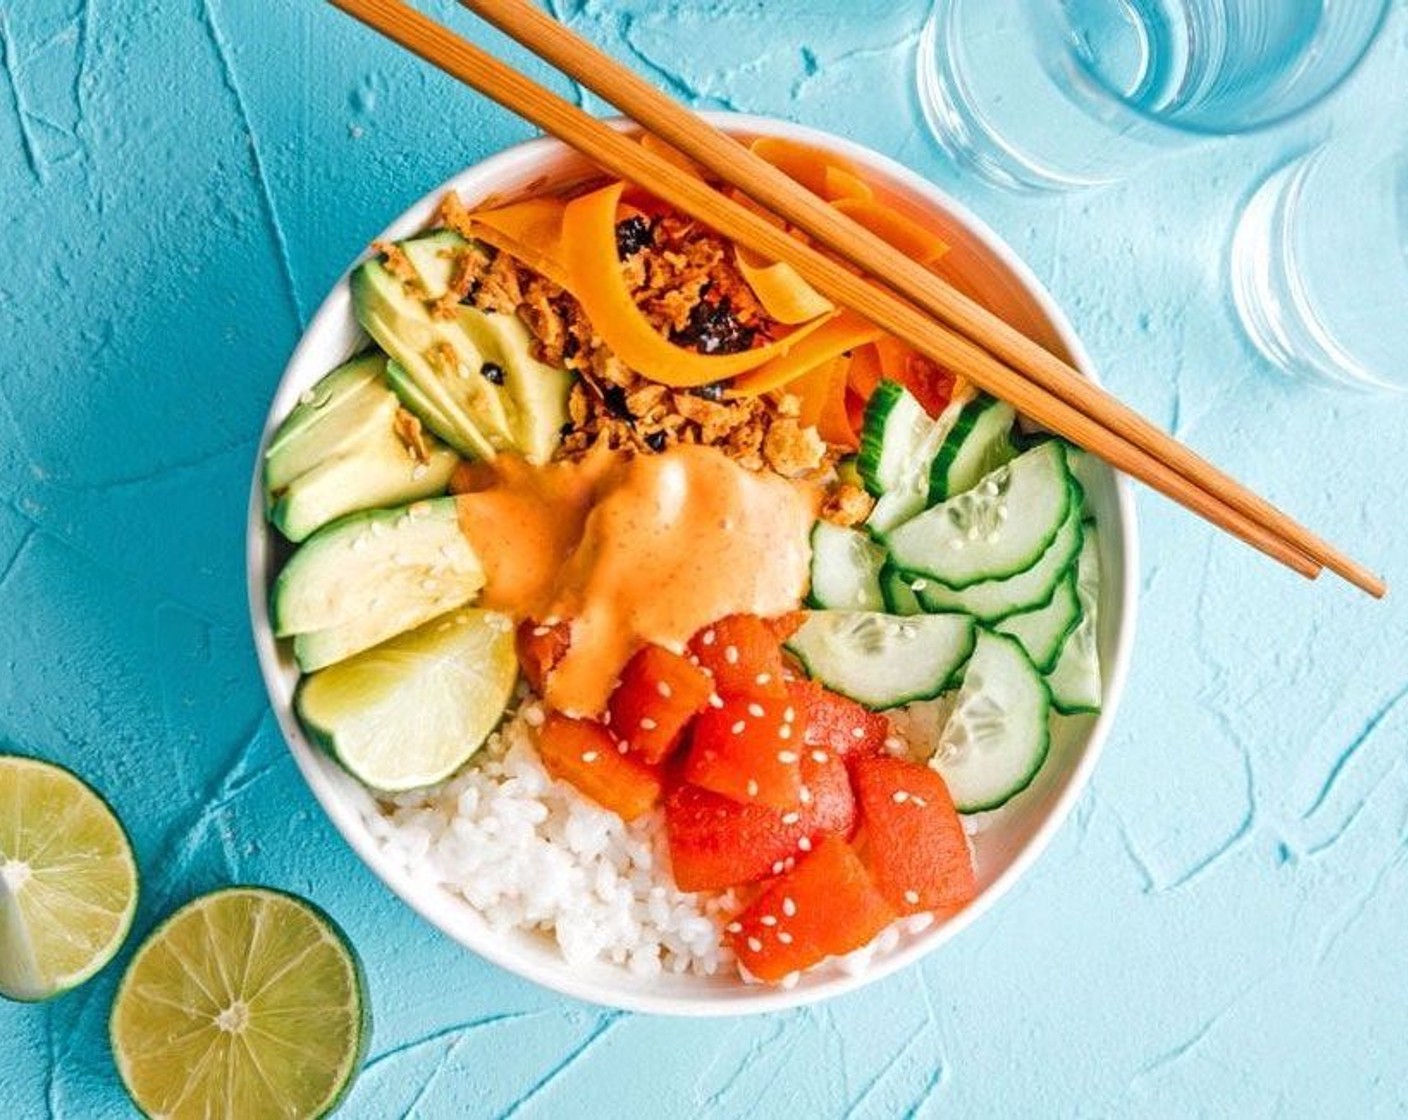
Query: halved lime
413	710
246	1002
68	882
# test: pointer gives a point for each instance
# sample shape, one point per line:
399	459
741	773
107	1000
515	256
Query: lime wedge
68	883
246	1002
412	711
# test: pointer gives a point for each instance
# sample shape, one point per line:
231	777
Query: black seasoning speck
714	329
472	294
566	429
493	372
615	398
656	441
633	235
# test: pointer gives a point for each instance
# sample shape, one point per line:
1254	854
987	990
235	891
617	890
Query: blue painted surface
1218	931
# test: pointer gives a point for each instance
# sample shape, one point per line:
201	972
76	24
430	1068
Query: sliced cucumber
1043	630
372	575
899	595
994	600
413	710
999	528
845	569
999	733
898	443
882	660
1075	681
978	443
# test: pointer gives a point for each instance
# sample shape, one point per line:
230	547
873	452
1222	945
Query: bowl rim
435	904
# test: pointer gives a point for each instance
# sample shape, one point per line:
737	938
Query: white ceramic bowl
1010	840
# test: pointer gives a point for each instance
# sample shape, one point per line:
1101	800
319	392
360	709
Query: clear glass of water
1057	94
1319	265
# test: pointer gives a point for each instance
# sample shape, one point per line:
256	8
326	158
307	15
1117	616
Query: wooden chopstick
622	156
735	164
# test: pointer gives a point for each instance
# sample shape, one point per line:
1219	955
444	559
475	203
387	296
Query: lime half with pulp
68	882
246	1002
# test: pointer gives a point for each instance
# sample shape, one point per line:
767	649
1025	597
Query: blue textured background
1219	930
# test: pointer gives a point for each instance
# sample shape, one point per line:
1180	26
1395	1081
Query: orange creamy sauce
635	550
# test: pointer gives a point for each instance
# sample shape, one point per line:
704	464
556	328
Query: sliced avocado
349	400
342	449
472	414
373	575
540	390
433	257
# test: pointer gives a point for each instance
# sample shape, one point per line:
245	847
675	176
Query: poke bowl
626	605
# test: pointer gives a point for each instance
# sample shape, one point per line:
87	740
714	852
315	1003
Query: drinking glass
1055	94
1319	264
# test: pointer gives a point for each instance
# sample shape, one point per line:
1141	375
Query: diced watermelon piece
915	846
744	656
583	753
749	750
659	693
540	647
716	842
824	907
837	723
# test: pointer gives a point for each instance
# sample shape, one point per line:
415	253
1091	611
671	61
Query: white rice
532	853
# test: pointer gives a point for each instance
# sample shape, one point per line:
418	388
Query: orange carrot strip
595	278
529	231
840	333
903	232
785	296
822	174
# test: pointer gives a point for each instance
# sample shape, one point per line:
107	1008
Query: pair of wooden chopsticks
894	292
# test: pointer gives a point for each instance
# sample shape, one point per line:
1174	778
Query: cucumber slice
413	710
994	600
978	443
1075	681
898	443
999	528
999	733
880	660
845	569
899	596
1043	630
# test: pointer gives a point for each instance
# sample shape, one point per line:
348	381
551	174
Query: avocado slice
539	390
339	451
472	414
373	575
433	256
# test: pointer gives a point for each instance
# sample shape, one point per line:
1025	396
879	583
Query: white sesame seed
589	756
541	631
534	716
708	638
606	717
788	715
917	801
919	584
787	757
784	937
804	844
858	732
785	731
894	746
715	700
752	788
818	756
738	727
778	867
791	818
763	678
734	927
900	797
789	907
755	945
664	689
805	796
768	919
419	471
731	654
622	747
648	724
912	897
756	711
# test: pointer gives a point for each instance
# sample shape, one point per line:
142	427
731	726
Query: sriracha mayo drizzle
630	551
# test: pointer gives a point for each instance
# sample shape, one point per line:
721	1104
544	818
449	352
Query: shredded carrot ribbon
529	231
